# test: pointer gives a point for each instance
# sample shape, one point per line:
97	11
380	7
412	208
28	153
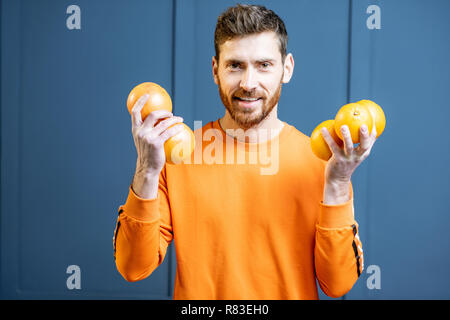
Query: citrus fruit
179	147
159	98
353	115
318	144
377	113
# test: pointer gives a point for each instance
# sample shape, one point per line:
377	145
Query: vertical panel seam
19	148
349	63
1	158
169	254
349	51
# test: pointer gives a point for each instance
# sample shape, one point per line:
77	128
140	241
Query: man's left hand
344	161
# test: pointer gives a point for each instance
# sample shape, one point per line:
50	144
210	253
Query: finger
329	140
365	139
373	134
170	132
163	125
347	138
154	116
136	119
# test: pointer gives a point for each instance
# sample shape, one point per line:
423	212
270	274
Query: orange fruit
179	147
353	115
377	114
159	98
318	144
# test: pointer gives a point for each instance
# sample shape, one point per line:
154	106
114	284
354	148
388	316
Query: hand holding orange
353	115
178	147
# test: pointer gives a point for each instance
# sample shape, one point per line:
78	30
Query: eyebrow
229	61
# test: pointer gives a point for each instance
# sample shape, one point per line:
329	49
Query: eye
234	65
265	65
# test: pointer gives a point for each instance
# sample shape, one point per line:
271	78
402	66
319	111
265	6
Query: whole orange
318	144
179	147
159	98
377	114
353	115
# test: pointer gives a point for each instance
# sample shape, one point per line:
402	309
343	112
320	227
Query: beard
249	117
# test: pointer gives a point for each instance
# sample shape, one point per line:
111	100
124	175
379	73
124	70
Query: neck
267	129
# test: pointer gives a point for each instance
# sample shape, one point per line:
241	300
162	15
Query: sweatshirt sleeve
338	250
142	234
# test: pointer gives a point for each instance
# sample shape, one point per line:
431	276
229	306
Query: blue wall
67	154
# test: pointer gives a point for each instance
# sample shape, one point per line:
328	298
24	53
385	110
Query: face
249	74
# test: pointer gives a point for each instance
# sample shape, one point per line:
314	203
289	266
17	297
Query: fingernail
364	128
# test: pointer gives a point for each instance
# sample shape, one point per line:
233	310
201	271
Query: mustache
248	94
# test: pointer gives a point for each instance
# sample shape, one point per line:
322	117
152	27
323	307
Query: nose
249	81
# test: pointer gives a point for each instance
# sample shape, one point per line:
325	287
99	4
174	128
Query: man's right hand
149	140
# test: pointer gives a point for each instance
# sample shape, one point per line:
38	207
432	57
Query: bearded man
241	234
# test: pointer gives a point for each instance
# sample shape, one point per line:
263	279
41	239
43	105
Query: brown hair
244	20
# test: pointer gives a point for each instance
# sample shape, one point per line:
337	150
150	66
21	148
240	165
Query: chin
247	121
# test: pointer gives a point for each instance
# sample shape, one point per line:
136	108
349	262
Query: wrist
145	184
336	192
144	177
146	173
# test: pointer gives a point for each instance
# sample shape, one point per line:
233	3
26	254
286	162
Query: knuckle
173	130
149	140
176	120
152	115
141	136
168	121
161	113
144	135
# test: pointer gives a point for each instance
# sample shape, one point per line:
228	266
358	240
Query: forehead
251	47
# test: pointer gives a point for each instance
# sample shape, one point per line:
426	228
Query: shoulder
297	133
200	127
297	137
300	141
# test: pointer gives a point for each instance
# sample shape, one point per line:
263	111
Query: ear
215	68
288	68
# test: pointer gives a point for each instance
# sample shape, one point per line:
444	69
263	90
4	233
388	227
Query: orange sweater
241	233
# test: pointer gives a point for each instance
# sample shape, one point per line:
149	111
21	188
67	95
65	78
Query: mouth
247	102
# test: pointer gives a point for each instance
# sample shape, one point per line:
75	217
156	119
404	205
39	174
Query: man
241	234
